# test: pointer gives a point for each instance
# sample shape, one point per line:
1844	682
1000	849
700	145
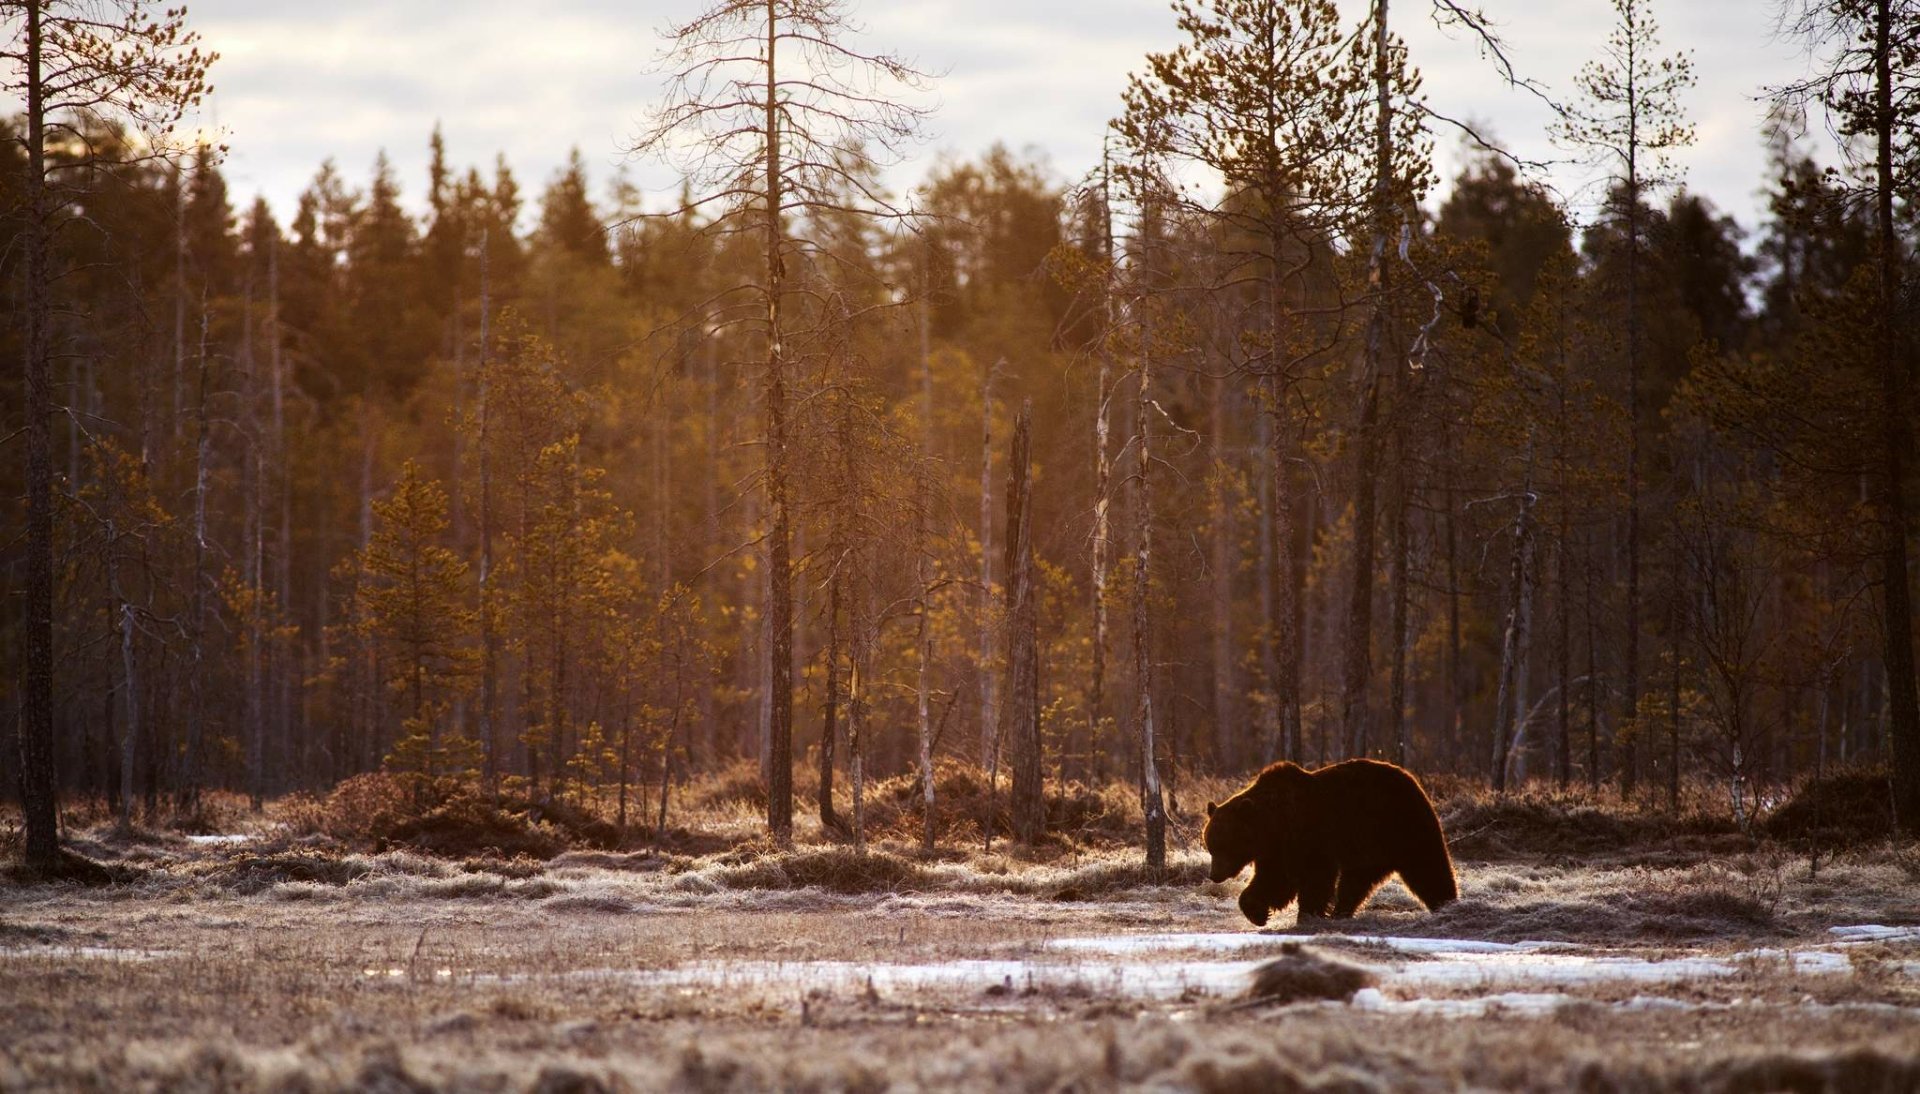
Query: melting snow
1873	932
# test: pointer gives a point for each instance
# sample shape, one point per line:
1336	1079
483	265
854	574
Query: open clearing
263	964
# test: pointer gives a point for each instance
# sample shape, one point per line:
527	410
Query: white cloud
301	81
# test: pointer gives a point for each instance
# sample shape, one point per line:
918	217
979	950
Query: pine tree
414	606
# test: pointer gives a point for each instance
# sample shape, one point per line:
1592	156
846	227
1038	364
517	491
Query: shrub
1845	808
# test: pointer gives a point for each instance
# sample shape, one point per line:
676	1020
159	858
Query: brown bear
1329	838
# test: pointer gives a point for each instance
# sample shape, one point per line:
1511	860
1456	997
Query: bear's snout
1221	873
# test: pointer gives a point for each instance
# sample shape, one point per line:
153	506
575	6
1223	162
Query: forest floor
260	958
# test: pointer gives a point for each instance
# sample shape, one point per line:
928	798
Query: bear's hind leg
1357	883
1316	889
1433	884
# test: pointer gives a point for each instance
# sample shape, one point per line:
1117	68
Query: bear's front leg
1253	903
1271	890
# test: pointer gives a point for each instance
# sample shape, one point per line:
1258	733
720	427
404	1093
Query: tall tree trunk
1903	695
1456	682
1562	645
1593	669
285	672
1674	617
858	681
830	718
1630	692
923	576
1510	709
1359	648
780	533
1152	803
1398	594
1020	713
253	566
38	787
1227	730
129	654
489	638
189	789
1285	621
989	733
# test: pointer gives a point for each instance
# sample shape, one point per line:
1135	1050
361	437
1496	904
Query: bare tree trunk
710	493
1673	694
1020	714
988	682
489	638
285	671
1286	584
189	789
1102	482
1397	595
1510	710
780	537
1630	697
923	577
1354	716
857	684
1227	730
253	568
1562	645
830	719
1272	742
1456	684
1593	679
38	785
129	650
1903	692
1152	804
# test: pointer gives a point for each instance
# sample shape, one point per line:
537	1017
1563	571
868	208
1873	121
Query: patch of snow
1228	941
1874	932
95	953
1526	1004
214	841
1156	980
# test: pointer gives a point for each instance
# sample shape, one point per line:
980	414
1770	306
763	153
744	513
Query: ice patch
1229	941
1873	932
93	953
1161	980
1526	1004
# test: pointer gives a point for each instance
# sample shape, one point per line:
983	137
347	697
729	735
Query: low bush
1850	807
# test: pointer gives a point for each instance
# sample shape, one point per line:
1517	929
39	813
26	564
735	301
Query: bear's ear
1210	808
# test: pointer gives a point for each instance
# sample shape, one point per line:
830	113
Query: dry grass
401	971
324	954
1300	974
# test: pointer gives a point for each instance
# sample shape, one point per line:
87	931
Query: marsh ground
275	961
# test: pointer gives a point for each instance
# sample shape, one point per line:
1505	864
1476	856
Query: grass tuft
1301	974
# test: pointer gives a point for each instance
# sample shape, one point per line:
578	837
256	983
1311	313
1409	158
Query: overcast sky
299	80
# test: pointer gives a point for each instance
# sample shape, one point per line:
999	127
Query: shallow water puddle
83	953
1464	963
1192	966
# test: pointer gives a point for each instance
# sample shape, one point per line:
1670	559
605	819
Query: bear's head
1232	835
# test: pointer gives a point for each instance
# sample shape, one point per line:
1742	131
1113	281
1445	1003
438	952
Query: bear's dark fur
1329	838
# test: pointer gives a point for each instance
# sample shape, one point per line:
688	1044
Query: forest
1227	452
813	627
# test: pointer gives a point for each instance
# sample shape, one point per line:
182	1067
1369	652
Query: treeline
483	493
